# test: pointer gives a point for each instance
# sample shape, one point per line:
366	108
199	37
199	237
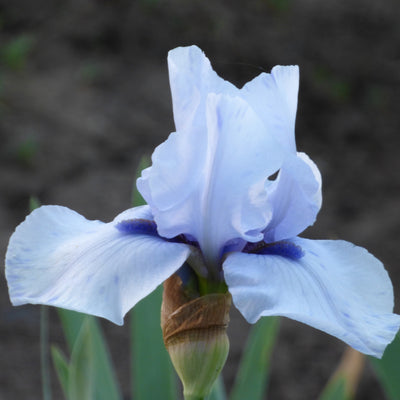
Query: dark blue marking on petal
138	226
142	226
283	248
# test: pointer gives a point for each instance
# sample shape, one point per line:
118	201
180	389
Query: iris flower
227	196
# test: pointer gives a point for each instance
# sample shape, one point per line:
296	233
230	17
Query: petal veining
336	287
57	257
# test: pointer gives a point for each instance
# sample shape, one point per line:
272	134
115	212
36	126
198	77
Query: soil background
84	94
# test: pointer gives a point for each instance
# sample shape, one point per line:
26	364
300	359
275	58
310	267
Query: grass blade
81	376
218	391
335	390
251	380
153	376
105	380
44	333
137	199
44	352
344	381
72	323
387	369
62	368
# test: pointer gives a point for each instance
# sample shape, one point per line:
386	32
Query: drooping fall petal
334	286
59	258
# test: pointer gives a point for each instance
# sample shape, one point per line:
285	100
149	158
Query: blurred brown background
84	93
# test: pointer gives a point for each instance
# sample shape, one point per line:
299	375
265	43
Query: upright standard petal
212	185
295	198
57	257
335	286
192	79
274	98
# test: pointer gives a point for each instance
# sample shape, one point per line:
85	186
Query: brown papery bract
194	332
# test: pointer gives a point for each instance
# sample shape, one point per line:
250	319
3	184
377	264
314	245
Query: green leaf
335	390
218	391
33	203
72	322
44	332
81	382
387	369
44	352
153	376
62	368
252	378
344	381
137	199
105	381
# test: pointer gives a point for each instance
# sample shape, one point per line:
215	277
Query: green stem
44	352
207	286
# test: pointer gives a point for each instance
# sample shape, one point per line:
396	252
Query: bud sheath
194	332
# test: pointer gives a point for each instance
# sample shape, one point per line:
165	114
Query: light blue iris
212	198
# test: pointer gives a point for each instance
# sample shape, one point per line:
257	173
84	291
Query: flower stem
207	286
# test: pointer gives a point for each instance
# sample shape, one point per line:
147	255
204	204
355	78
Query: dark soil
85	94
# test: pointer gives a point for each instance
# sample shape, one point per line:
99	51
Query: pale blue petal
192	79
142	212
211	185
206	180
295	197
274	98
57	257
336	287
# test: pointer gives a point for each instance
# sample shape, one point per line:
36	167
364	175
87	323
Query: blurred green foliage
336	390
89	374
335	86
279	5
14	53
254	369
388	369
33	203
26	151
90	73
148	351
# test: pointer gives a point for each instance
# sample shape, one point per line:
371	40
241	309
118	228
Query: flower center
199	274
